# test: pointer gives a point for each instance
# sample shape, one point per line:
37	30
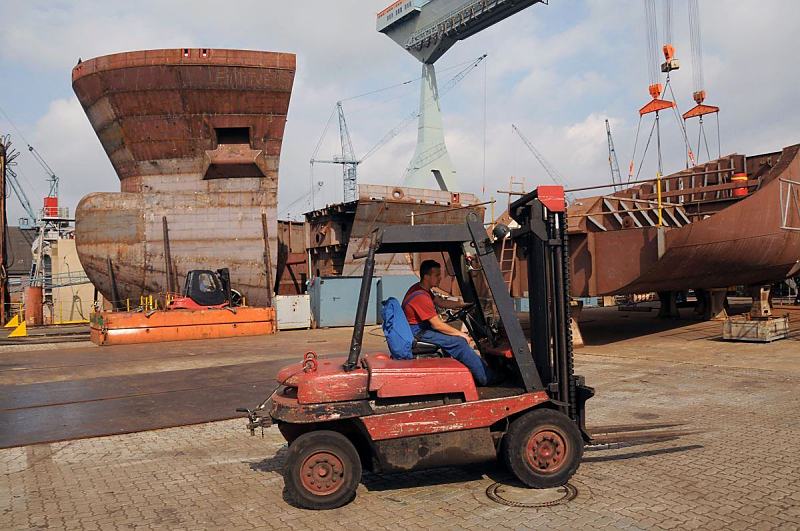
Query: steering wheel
460	314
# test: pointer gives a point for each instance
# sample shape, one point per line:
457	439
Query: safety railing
58	280
60	312
75	311
450	21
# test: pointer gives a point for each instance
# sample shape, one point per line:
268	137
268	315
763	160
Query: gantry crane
427	29
348	159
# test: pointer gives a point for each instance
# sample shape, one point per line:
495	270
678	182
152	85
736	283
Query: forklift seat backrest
396	329
402	343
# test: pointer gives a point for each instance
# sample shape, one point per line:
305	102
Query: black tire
322	470
543	448
236	298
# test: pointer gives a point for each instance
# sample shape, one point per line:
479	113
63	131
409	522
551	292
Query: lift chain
568	311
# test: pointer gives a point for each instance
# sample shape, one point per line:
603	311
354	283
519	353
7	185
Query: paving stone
740	470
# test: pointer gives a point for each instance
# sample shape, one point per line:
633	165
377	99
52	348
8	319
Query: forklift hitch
255	420
254	417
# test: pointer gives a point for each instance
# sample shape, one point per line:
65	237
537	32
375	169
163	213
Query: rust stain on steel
326	382
286	410
194	135
468	415
712	238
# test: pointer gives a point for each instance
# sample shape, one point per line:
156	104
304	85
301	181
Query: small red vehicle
344	415
205	290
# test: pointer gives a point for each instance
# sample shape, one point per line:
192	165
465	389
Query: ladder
508	249
508	253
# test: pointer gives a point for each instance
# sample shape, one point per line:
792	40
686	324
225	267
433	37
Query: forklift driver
419	307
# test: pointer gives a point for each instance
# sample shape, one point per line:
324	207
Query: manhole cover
530	498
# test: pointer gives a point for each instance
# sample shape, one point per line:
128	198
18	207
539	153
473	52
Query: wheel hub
546	451
322	473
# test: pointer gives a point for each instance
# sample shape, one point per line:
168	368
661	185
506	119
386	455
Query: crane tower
427	29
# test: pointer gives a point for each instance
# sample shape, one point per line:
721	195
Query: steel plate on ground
519	496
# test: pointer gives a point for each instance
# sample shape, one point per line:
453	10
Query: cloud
82	165
557	71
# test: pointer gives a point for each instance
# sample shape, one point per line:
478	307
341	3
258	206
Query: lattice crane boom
13	180
553	173
349	161
613	162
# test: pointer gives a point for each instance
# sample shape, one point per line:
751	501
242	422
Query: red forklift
370	412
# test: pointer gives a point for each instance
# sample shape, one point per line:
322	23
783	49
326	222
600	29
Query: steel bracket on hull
790	204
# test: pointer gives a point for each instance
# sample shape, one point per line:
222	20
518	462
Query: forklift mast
542	236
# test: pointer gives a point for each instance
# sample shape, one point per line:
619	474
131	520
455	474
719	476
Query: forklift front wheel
543	448
322	470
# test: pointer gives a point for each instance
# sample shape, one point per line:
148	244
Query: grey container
394	286
334	301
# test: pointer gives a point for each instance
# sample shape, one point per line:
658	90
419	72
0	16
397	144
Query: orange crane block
122	328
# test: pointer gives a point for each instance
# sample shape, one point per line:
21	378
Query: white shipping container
293	311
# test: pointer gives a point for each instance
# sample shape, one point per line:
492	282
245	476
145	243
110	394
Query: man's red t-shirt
418	305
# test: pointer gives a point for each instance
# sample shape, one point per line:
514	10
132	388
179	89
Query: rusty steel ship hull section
195	137
339	232
711	238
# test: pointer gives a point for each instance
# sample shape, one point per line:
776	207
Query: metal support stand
761	308
711	304
716	304
760	325
669	305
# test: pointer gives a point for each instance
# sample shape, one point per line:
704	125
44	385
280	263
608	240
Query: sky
557	71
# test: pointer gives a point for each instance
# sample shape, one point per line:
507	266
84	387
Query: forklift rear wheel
322	470
543	448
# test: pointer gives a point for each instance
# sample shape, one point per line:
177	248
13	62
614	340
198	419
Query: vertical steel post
4	296
363	305
114	294
167	256
505	305
268	258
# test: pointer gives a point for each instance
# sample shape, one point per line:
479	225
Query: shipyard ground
733	465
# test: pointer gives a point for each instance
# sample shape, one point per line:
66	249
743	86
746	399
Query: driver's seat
393	313
423	349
